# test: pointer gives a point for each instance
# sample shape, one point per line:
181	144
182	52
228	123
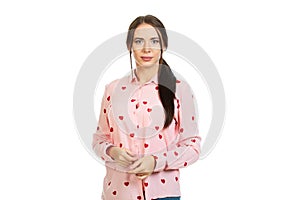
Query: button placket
138	101
136	104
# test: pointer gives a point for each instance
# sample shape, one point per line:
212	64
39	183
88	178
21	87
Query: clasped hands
141	167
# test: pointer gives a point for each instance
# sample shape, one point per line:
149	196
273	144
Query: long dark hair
166	78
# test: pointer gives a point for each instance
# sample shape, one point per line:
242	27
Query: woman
147	127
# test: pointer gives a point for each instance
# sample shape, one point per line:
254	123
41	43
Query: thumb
142	176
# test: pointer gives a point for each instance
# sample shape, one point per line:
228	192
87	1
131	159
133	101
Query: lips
146	58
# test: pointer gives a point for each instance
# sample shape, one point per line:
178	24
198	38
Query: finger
123	159
129	158
136	164
130	153
139	169
123	164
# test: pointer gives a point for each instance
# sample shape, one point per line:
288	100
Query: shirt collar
133	78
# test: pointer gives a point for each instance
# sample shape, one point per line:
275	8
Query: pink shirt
132	117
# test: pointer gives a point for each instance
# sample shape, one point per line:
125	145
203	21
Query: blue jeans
166	198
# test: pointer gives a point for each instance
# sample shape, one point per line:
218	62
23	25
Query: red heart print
132	100
163	180
193	140
111	129
181	130
178	81
178	106
193	118
145	184
185	164
157	127
175	153
114	192
156	87
108	98
109	183
97	128
123	87
145	102
121	145
146	145
121	117
139	197
149	109
131	134
104	110
165	154
176	178
160	136
126	183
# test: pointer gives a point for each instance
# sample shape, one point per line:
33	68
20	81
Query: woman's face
146	46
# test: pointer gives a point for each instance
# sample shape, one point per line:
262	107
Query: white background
254	45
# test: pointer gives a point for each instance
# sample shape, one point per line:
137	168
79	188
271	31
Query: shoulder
110	87
181	83
182	88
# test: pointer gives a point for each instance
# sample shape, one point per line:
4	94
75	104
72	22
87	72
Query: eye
138	41
155	41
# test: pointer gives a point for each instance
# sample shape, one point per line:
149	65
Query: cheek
136	54
156	54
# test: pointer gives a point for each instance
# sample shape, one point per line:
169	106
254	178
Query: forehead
145	31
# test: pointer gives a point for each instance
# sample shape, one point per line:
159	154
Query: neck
145	74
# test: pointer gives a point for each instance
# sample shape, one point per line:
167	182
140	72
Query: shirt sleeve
185	150
102	139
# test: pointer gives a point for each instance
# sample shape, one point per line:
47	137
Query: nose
146	47
146	50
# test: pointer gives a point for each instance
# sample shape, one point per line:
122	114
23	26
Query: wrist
109	150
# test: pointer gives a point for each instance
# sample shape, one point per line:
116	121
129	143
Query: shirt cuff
103	153
160	160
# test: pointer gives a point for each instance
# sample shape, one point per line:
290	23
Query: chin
147	64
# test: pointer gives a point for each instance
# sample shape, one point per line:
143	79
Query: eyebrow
143	38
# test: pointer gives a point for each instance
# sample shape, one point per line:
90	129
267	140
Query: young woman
147	127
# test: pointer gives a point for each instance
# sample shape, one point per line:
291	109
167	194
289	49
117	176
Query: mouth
146	58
